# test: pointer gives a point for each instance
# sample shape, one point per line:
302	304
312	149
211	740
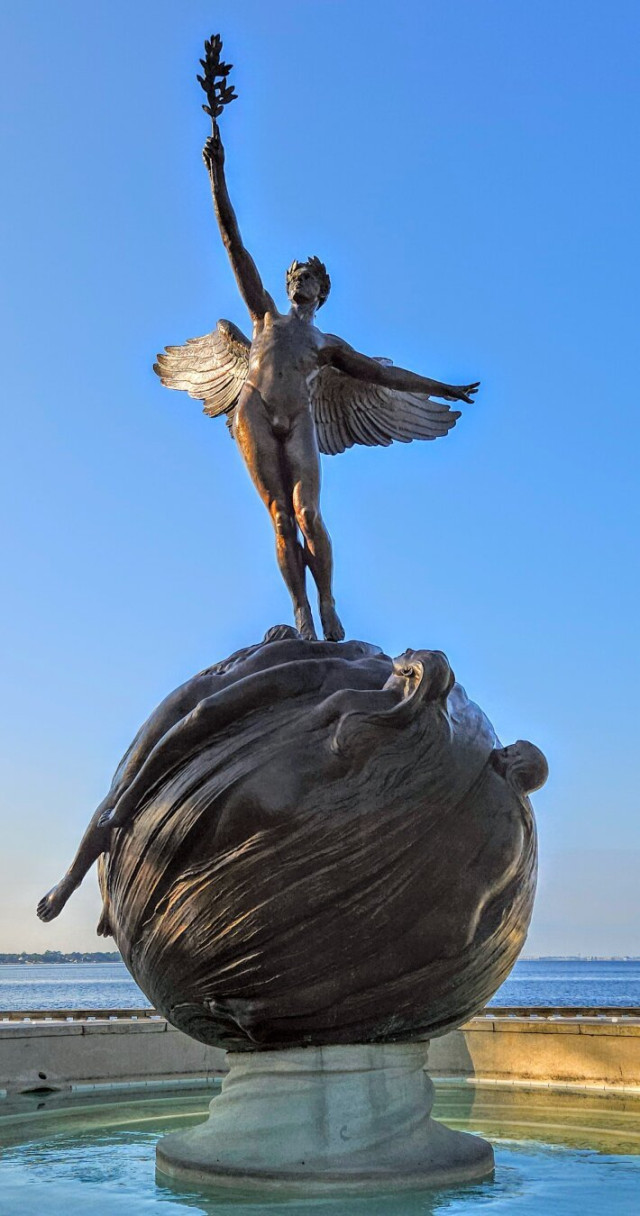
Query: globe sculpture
317	852
324	847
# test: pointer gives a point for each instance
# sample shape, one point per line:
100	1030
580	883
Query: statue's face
405	676
522	764
426	673
304	287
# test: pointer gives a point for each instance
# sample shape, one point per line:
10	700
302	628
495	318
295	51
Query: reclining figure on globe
286	738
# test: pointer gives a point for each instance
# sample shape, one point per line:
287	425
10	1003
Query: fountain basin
566	1153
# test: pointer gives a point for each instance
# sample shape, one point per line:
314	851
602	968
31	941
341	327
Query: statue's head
308	282
522	764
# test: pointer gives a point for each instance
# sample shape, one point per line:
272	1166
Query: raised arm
257	300
343	357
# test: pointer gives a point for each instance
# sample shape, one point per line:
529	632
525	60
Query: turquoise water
109	985
556	1155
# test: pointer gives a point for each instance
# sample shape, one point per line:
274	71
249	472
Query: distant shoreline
113	956
579	958
57	956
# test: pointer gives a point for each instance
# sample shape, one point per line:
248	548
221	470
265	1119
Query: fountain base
346	1118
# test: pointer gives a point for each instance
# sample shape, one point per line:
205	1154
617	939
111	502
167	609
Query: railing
560	1011
76	1015
491	1011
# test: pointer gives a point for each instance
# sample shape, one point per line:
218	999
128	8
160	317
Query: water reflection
400	1203
557	1154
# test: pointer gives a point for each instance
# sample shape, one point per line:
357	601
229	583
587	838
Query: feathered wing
348	411
212	369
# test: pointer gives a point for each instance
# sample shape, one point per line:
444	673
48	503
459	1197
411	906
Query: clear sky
469	173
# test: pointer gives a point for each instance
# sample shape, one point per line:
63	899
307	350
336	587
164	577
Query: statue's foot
53	902
331	623
104	924
305	625
107	819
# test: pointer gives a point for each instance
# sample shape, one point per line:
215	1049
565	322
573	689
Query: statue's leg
262	454
104	928
303	467
94	842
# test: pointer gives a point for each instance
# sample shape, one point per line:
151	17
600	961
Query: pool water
557	1154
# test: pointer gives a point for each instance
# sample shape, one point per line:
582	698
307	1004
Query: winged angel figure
292	392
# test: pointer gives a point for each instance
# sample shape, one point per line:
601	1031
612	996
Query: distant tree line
57	956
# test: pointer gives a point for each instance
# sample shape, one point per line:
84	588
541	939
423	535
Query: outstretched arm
343	357
95	841
257	300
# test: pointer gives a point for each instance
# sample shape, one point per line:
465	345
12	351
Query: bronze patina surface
310	843
294	391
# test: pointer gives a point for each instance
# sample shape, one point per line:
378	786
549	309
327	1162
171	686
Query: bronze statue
294	391
310	844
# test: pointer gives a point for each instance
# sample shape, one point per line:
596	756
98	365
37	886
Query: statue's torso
284	355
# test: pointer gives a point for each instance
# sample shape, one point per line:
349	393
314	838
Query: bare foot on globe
104	924
331	623
305	625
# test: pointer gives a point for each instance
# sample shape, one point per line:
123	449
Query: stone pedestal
316	1119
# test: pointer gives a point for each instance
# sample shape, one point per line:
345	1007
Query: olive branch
214	82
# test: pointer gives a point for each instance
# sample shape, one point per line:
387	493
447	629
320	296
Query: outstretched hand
461	392
213	151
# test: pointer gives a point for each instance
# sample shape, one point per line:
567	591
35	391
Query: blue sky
468	173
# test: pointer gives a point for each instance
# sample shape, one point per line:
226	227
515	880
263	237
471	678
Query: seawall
64	1051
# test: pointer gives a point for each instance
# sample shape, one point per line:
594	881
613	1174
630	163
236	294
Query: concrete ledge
591	1052
64	1055
594	1052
